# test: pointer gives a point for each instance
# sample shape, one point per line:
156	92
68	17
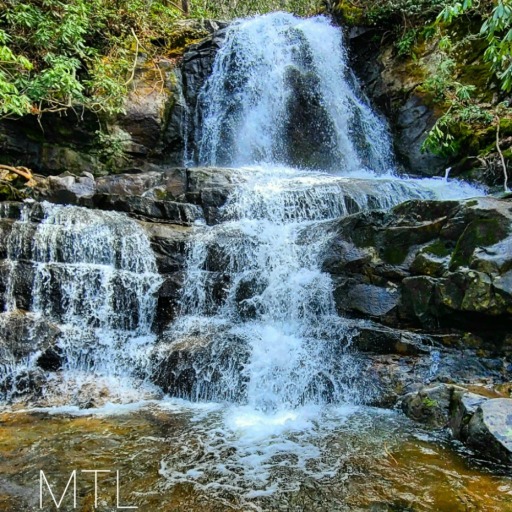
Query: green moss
429	402
9	193
183	36
479	233
506	126
395	254
437	248
350	14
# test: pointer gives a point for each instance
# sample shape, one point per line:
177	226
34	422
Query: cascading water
255	299
257	319
276	310
93	276
281	93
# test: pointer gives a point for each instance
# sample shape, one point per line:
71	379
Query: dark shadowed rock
463	406
432	264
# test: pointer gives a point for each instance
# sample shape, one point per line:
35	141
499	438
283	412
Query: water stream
276	409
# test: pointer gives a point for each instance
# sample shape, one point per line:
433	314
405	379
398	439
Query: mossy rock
183	35
350	14
479	233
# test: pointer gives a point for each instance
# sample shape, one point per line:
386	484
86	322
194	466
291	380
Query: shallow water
173	456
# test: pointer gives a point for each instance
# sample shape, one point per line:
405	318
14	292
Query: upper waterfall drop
281	93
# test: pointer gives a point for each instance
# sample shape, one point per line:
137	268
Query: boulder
490	430
430	405
203	367
463	406
435	265
383	340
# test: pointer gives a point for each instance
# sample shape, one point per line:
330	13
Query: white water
95	280
245	105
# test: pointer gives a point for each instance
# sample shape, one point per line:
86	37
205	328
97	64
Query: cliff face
393	83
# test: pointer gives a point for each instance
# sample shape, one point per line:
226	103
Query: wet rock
437	265
169	243
145	207
203	367
196	67
463	406
490	430
370	300
168	303
382	340
16	283
430	405
24	334
386	79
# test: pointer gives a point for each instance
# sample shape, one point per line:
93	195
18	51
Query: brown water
367	461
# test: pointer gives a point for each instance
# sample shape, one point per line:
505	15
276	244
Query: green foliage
57	54
463	109
391	12
406	43
228	9
111	149
496	29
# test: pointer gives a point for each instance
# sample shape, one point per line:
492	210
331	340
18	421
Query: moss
506	126
429	402
479	233
395	254
182	37
9	193
350	14
437	248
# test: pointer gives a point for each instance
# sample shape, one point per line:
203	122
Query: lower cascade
92	280
257	368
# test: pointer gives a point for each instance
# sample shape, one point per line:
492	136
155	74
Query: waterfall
255	298
281	93
93	277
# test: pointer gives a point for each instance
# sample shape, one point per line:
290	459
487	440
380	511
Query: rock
490	430
196	67
463	406
16	281
168	304
372	301
164	184
436	265
68	188
392	86
147	208
204	367
430	405
24	334
169	243
382	340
